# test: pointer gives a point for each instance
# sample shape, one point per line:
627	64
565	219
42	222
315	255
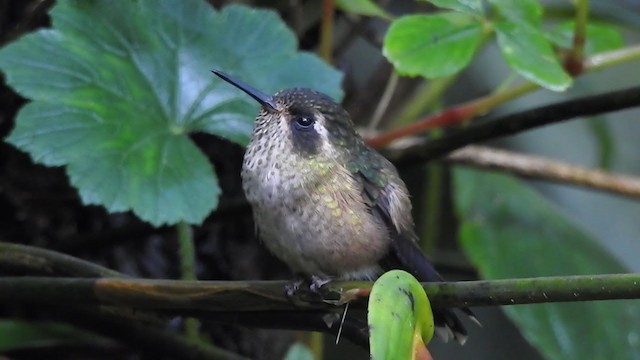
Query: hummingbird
326	203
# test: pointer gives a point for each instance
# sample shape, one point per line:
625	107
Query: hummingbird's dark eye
303	122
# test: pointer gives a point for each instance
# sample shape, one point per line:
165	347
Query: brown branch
264	304
546	169
257	296
142	330
34	260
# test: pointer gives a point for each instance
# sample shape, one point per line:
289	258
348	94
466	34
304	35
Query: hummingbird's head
311	121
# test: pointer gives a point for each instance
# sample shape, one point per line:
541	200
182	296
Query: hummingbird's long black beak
265	100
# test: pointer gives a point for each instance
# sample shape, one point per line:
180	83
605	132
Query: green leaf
117	86
399	316
363	7
17	334
510	231
298	351
432	45
523	12
466	6
530	54
600	37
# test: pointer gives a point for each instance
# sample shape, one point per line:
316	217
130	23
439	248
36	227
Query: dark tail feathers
406	255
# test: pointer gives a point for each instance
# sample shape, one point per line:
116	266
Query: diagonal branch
34	260
141	330
518	122
546	169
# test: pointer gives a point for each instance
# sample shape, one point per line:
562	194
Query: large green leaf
432	45
522	12
528	51
467	6
510	231
118	85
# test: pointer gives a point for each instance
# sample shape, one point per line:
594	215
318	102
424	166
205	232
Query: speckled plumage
324	202
311	209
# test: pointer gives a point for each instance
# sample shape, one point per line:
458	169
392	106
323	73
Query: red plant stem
326	32
454	115
574	63
445	118
465	111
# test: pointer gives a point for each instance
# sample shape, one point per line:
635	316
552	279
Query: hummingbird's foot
316	283
291	289
306	287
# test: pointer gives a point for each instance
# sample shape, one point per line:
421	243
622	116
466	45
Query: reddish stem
448	117
326	32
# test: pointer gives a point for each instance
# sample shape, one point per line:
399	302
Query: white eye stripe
324	135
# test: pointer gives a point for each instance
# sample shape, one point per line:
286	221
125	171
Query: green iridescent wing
404	253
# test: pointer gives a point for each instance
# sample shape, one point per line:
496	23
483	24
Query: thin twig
383	104
547	169
326	30
453	116
614	57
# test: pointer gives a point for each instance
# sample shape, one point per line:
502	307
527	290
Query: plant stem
574	62
518	122
383	103
316	344
326	30
610	58
454	115
461	113
424	99
187	254
485	104
580	32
